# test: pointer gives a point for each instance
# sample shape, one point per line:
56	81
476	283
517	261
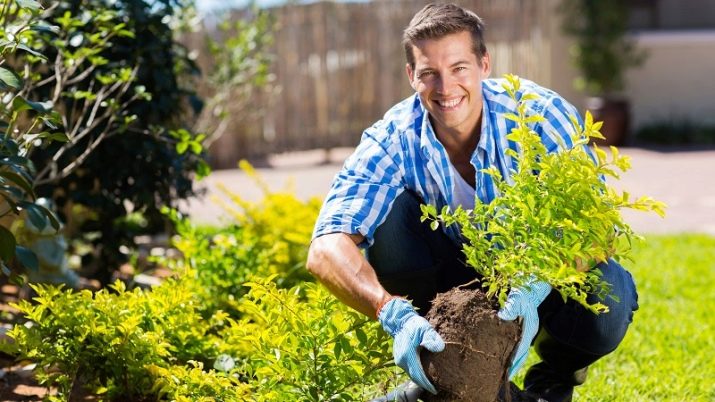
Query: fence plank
340	66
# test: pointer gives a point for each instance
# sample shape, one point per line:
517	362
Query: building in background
674	84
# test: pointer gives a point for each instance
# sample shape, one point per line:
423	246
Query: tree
24	124
113	71
122	88
240	60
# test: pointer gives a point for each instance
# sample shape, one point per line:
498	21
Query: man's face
448	78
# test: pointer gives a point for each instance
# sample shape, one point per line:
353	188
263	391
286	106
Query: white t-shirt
463	193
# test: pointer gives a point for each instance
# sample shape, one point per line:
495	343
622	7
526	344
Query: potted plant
602	53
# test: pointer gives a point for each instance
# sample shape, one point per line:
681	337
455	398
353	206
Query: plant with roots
554	218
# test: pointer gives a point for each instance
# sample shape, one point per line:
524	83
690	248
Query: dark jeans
414	261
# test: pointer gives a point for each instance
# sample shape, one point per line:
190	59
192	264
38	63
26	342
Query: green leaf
125	33
13	191
7	196
511	116
7	244
19	104
345	345
27	258
29	4
9	79
360	334
58	136
45	28
434	225
31	51
4	43
182	147
14	160
337	350
17	180
49	215
35	213
202	169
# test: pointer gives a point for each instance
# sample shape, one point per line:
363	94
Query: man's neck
460	143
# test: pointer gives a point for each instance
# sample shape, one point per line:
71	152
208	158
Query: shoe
562	368
541	380
517	395
405	392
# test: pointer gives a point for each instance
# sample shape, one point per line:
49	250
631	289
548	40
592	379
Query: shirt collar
428	138
486	144
429	142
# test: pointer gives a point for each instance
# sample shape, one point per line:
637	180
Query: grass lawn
669	351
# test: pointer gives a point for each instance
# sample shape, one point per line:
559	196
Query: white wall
677	80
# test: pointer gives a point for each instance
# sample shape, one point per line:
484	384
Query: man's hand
411	332
524	302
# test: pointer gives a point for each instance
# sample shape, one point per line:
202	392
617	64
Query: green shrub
114	73
238	297
269	237
25	121
290	344
106	340
192	384
554	219
602	50
302	344
676	133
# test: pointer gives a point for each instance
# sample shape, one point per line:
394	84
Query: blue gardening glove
523	302
410	332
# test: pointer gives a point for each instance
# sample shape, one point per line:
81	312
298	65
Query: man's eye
460	68
425	74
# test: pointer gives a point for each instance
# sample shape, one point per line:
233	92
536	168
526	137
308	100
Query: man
431	148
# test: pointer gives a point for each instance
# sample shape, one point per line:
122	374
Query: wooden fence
340	66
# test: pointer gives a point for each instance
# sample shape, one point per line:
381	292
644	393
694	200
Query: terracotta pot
615	115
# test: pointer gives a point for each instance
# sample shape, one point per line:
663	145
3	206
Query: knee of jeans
398	241
607	330
405	210
623	296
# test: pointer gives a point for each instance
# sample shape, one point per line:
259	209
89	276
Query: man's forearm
336	261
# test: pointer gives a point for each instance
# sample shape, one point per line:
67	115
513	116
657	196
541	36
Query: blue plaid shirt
401	152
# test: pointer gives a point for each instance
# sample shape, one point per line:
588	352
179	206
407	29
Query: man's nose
444	84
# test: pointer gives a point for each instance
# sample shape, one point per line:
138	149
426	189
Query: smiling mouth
449	104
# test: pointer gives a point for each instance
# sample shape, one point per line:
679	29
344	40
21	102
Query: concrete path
685	180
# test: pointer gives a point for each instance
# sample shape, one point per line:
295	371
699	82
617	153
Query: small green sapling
556	217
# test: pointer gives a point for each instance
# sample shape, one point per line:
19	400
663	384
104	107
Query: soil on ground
478	348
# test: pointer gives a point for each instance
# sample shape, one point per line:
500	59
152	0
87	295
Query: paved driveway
685	180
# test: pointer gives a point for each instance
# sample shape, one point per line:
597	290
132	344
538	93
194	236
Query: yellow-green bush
269	238
303	344
106	340
240	295
280	223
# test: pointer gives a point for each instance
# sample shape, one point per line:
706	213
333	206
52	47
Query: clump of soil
478	348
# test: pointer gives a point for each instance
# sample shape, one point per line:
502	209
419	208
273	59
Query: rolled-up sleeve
363	191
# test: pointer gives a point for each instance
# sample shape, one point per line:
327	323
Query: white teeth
449	103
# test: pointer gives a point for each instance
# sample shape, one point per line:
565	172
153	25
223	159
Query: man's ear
410	75
486	65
